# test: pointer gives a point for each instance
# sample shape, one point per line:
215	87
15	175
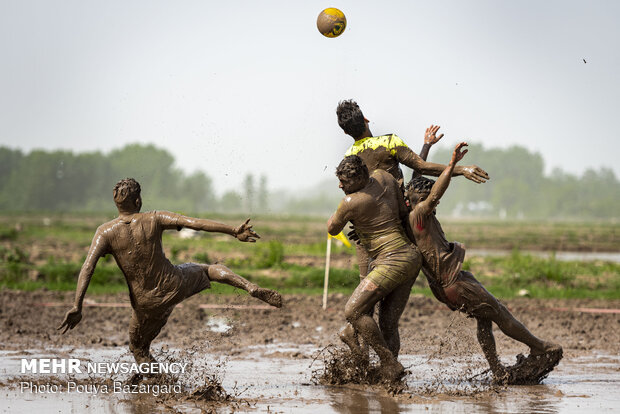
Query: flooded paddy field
268	360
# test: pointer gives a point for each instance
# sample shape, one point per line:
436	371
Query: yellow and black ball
331	22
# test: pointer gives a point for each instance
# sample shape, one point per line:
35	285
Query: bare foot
548	347
392	371
534	368
501	375
267	295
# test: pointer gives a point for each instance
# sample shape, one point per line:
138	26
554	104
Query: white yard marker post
327	260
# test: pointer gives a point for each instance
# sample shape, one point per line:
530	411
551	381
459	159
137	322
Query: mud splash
341	367
272	382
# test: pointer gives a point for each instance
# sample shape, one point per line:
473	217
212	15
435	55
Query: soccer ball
331	22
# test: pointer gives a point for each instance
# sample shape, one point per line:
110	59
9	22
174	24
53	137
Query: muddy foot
501	375
534	368
267	295
549	347
392	372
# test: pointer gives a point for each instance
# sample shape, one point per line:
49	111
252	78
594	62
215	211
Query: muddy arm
424	152
415	162
440	187
98	248
403	213
170	220
339	219
409	158
430	139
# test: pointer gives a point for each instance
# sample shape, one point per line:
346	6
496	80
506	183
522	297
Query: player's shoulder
395	141
107	228
388	141
350	201
383	176
163	216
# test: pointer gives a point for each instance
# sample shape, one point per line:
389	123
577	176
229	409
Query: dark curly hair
351	167
420	183
126	192
351	118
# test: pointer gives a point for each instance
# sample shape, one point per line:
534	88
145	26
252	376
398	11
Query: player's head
127	195
418	189
351	119
352	173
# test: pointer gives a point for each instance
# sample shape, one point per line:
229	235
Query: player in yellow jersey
387	152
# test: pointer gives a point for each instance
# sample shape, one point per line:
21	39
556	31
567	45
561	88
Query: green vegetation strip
515	275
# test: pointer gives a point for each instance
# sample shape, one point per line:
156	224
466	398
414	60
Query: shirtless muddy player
156	286
459	290
374	204
387	152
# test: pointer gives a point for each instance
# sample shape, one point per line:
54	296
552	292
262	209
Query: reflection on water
269	382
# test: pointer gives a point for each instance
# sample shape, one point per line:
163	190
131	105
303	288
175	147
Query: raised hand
72	318
430	136
245	233
458	153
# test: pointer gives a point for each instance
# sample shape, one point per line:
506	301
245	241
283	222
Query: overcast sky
246	86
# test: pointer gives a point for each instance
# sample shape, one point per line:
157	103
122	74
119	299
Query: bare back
136	245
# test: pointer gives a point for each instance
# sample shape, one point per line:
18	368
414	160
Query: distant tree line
518	188
64	181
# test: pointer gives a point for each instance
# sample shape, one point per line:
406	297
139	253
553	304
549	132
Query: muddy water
278	378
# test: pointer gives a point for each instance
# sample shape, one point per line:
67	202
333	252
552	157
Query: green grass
502	276
40	251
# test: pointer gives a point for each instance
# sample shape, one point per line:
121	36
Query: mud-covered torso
442	259
376	215
137	248
384	152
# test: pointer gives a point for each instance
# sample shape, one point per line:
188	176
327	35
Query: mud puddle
277	378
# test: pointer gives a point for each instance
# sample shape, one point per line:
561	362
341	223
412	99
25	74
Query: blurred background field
511	258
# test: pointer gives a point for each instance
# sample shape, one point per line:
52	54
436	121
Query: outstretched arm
441	185
98	248
242	232
419	164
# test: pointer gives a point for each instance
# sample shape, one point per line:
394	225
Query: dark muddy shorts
468	295
194	279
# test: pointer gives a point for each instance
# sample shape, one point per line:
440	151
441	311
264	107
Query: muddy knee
352	313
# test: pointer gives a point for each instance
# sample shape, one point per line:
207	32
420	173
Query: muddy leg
143	329
487	343
365	296
349	336
516	330
222	274
390	310
482	304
